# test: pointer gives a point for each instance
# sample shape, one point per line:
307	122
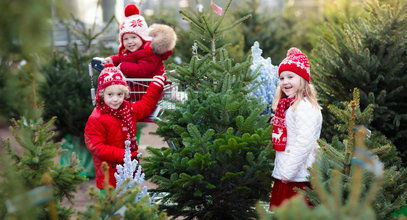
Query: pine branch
381	149
192	20
223	16
234	24
332	152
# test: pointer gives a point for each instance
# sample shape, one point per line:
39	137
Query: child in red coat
142	50
114	120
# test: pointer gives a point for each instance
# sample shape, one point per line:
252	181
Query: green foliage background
368	53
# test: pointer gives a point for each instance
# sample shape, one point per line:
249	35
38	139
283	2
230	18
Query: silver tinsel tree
267	81
130	170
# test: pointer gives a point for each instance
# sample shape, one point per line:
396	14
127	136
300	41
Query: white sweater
303	131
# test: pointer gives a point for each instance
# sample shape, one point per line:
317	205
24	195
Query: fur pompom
163	38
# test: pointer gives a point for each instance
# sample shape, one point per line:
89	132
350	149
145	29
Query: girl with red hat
297	126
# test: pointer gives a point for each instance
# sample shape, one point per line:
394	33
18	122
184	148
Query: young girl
296	127
142	50
114	119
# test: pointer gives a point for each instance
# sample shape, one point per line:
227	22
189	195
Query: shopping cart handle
98	63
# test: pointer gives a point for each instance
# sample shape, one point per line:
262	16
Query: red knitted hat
110	75
296	62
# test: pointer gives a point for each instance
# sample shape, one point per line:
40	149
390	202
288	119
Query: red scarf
124	114
279	135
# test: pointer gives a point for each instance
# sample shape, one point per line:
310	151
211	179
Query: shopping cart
138	87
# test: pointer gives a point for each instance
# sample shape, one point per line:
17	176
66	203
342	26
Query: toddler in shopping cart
113	120
142	50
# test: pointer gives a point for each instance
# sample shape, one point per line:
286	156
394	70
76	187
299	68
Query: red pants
283	191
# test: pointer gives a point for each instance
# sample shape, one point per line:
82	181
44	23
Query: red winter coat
142	63
104	137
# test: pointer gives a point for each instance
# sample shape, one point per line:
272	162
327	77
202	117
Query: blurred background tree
368	53
24	46
278	29
338	154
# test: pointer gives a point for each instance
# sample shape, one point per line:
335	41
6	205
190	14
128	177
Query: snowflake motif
121	26
136	23
298	64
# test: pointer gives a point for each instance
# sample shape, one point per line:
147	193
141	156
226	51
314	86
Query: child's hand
108	60
159	80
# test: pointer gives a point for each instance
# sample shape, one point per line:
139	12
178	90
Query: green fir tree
114	205
368	52
37	158
392	195
338	201
24	46
273	30
218	164
66	91
11	186
278	29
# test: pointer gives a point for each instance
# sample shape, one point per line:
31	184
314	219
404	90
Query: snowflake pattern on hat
136	23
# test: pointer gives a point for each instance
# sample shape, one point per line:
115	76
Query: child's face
113	96
132	42
290	83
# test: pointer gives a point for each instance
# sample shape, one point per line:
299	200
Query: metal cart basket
138	87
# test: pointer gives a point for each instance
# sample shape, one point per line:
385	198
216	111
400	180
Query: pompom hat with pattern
296	62
134	23
110	75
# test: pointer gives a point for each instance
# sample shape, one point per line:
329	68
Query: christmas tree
37	159
368	53
273	30
265	85
286	24
391	196
128	200
218	165
24	46
337	200
12	187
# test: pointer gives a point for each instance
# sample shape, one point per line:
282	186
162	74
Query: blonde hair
122	88
306	90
